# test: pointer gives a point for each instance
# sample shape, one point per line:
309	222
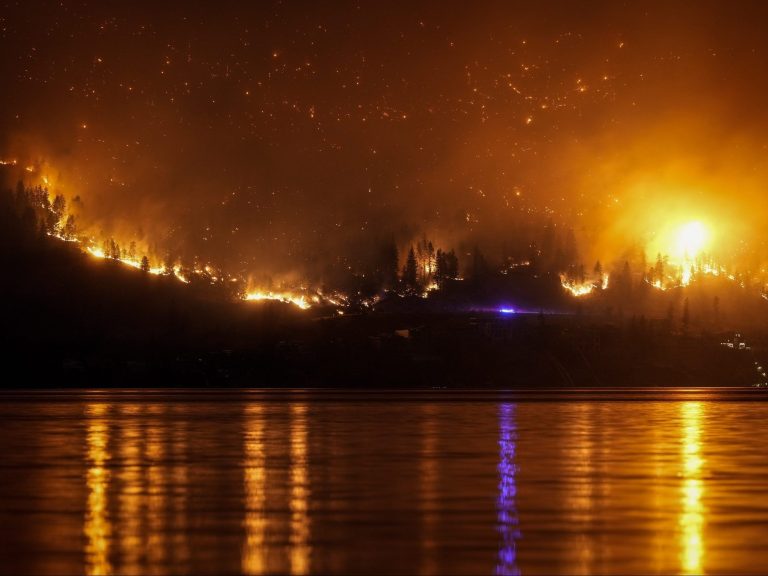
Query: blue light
507	518
507	310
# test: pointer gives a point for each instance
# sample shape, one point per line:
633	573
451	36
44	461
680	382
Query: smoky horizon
290	140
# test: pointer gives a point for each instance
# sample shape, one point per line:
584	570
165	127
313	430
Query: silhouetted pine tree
451	265
410	271
440	267
387	266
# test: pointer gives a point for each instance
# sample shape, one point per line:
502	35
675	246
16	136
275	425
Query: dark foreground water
431	482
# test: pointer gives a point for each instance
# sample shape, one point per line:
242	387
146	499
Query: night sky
273	136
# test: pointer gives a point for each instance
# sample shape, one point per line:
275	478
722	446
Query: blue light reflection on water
508	522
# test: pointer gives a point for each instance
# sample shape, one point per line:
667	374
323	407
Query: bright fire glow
691	240
98	528
692	516
98	252
156	270
685	249
287	297
117	252
577	289
583	288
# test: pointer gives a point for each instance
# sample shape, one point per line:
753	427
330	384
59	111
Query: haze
281	137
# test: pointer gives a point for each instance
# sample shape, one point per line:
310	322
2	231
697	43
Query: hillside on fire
73	317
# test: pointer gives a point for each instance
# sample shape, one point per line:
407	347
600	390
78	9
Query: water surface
153	482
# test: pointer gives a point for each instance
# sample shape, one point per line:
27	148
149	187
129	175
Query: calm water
329	482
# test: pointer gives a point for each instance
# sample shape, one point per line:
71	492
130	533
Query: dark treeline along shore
72	320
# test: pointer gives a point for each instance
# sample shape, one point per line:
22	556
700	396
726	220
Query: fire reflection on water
692	516
98	528
161	487
136	515
254	550
132	490
179	477
582	490
299	557
156	486
428	479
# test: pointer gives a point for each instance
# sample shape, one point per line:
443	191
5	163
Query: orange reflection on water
581	490
300	493
255	479
98	528
140	535
156	478
428	476
692	516
180	479
132	489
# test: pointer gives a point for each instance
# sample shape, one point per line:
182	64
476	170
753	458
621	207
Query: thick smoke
279	140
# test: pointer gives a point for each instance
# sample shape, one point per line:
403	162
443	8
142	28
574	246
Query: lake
429	482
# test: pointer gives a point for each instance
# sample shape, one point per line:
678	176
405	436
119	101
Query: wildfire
579	289
133	263
98	252
685	275
431	287
334	299
178	273
60	224
93	248
691	239
289	298
686	258
684	247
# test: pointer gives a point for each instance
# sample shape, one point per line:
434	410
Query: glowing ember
431	287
